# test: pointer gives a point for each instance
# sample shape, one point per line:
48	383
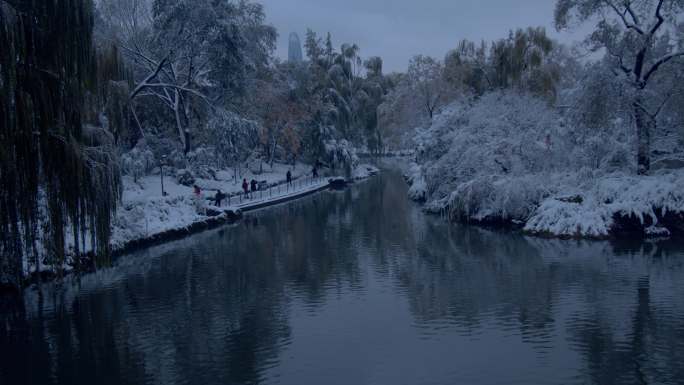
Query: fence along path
278	193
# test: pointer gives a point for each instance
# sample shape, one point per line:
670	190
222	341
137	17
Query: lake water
358	287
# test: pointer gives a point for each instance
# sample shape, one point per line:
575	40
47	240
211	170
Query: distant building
295	52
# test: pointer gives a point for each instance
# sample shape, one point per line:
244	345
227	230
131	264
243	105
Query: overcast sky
399	29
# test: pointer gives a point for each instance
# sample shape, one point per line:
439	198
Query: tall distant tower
294	54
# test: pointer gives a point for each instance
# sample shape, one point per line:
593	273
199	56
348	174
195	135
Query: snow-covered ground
145	212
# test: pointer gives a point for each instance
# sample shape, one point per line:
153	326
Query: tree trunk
137	121
187	141
272	151
643	131
186	115
179	124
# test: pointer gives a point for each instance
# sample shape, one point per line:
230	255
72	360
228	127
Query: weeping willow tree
59	179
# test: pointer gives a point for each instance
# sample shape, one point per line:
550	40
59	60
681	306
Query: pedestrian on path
245	188
219	197
254	186
289	178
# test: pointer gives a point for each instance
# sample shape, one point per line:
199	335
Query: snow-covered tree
138	162
516	60
232	137
465	68
642	38
283	116
426	76
193	57
400	113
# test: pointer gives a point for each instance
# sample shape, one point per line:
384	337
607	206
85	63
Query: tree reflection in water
357	286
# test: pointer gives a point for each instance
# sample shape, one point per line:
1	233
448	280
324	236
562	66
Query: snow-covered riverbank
145	217
512	160
146	213
567	205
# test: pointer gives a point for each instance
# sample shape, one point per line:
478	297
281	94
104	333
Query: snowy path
145	213
281	193
178	217
153	217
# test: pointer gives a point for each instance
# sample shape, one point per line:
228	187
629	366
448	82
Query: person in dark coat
254	185
314	172
219	197
289	177
245	187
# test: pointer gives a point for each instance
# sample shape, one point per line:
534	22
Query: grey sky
399	29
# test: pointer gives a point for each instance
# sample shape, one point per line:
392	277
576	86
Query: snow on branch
660	62
622	15
146	82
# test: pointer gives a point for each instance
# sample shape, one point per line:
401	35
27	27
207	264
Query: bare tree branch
624	19
135	116
620	62
659	19
635	18
660	62
148	79
662	105
182	88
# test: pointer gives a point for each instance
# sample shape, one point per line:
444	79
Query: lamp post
162	163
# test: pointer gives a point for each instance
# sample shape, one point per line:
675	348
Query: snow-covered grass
145	212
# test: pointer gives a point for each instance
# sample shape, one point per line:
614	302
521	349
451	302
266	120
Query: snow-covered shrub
608	202
202	156
185	177
204	172
570	219
177	160
231	136
501	135
139	161
416	180
167	149
203	162
508	157
498	199
363	171
341	154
